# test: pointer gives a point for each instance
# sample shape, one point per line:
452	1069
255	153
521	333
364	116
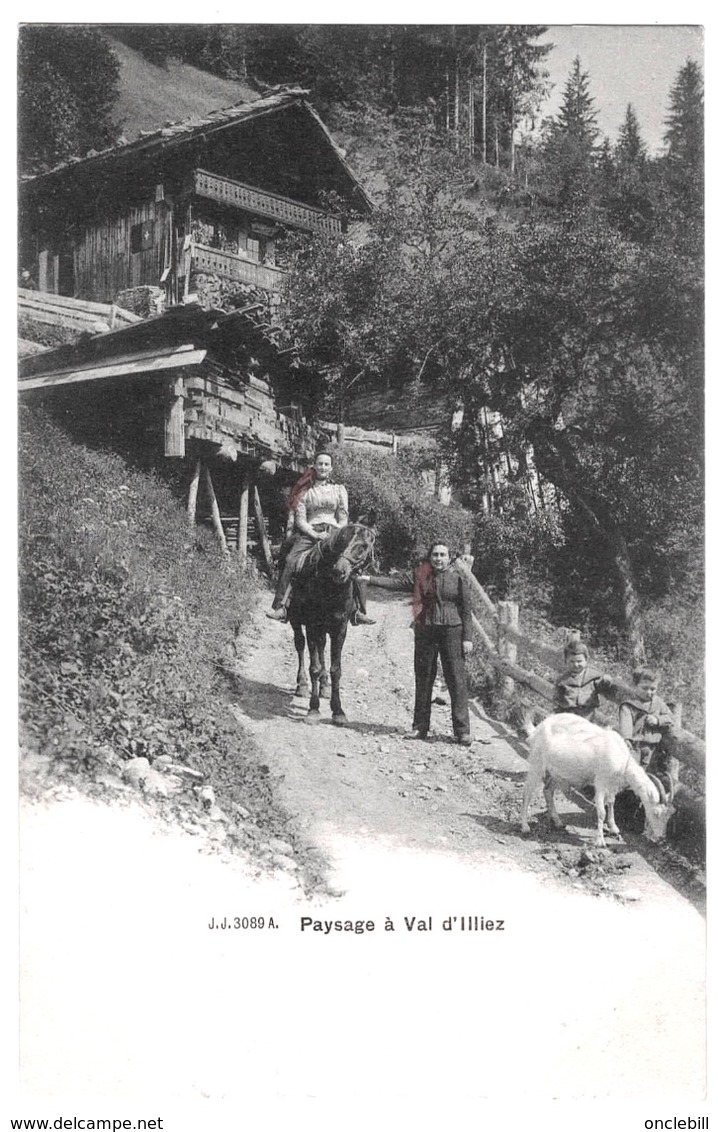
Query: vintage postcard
361	576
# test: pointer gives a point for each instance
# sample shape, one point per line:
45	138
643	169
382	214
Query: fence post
507	618
569	636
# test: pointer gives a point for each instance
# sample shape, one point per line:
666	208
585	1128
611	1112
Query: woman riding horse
316	506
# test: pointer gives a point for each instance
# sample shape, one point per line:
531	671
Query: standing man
442	628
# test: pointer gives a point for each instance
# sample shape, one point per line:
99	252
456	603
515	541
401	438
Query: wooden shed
209	388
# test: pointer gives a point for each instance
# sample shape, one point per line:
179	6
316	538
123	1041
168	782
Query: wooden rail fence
499	654
500	651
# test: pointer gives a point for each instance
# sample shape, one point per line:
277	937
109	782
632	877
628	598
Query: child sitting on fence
644	721
580	686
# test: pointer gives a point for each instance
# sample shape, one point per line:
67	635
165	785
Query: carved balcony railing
279	208
232	266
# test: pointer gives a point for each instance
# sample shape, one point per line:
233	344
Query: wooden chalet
210	198
215	194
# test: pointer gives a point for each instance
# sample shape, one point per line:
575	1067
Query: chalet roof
177	134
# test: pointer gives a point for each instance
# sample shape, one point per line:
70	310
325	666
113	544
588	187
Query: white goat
566	750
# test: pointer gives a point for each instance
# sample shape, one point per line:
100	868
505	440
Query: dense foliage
125	622
579	322
68	85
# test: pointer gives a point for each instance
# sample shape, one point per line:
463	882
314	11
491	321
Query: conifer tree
577	117
684	124
571	143
684	151
630	196
630	147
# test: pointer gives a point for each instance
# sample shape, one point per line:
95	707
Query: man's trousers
431	642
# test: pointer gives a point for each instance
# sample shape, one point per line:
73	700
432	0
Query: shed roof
180	329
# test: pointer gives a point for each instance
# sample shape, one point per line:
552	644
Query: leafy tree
591	369
587	345
382	310
68	86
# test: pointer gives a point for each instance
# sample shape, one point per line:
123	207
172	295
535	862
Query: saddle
309	559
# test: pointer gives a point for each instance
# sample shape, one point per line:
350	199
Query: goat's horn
659	786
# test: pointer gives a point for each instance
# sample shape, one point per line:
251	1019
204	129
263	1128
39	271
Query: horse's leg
315	640
337	638
324	680
299	644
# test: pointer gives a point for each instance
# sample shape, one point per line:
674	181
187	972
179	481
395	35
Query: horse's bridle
354	566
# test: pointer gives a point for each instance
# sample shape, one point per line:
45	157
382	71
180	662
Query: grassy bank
127	621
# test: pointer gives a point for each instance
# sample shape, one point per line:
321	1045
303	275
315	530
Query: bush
409	519
513	552
675	642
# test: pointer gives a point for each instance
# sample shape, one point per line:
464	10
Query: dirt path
365	785
592	987
418	829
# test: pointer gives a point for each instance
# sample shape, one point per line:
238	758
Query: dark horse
322	602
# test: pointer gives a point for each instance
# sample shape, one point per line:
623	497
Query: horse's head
347	549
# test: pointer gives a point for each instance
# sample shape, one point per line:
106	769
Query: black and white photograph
361	712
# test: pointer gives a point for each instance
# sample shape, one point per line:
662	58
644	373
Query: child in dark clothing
644	721
580	686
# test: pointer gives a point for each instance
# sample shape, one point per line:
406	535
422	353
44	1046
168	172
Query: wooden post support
245	480
508	618
174	417
192	495
340	433
466	557
262	532
570	636
216	520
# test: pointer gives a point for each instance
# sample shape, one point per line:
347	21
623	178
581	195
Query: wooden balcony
281	209
229	265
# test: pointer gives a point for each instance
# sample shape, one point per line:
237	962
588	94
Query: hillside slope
128	627
150	96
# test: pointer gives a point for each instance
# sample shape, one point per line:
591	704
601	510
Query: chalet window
65	281
142	236
253	248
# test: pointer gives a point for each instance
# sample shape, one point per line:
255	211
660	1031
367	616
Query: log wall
104	263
